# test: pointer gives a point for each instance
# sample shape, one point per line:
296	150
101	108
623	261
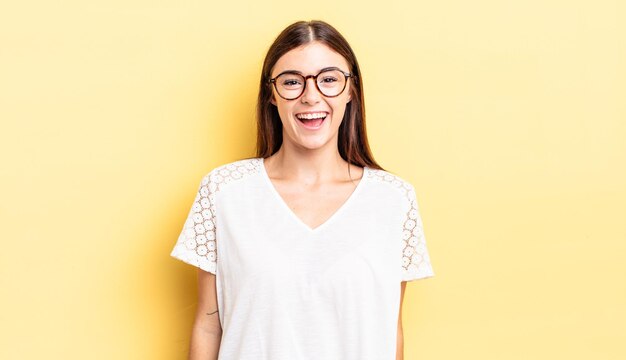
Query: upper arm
197	243
207	317
415	258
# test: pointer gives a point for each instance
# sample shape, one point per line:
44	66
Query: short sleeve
196	244
415	259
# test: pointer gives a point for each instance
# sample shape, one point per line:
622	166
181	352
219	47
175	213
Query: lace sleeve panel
196	242
415	259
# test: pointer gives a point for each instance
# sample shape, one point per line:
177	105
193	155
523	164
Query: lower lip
313	125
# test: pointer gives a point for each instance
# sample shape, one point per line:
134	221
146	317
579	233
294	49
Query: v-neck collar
299	221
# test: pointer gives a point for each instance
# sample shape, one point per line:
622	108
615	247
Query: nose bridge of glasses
306	88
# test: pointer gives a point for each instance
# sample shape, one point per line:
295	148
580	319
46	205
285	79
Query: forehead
310	59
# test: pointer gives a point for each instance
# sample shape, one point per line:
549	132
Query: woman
304	251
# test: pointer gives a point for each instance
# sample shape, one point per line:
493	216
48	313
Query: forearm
204	344
400	345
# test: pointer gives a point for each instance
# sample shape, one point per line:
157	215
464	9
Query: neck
309	166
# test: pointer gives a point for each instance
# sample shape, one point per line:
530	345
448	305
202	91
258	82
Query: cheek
284	111
339	108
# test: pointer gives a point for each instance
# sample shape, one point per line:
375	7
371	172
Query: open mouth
312	120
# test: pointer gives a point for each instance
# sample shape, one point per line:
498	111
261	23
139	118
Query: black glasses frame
307	77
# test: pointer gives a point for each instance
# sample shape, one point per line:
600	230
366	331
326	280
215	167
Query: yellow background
509	118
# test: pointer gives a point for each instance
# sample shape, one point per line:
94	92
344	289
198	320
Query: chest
313	205
261	237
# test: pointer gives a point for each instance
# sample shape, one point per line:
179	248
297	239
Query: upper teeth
311	116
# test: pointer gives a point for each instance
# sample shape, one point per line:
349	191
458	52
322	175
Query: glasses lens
290	86
331	82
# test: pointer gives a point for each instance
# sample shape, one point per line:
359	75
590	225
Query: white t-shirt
286	291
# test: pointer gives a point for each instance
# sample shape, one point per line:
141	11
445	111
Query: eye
291	82
329	79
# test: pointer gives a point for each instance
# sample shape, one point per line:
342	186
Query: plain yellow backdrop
509	118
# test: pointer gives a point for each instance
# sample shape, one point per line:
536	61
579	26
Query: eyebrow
300	72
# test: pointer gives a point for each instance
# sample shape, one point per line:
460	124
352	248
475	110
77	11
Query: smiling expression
312	120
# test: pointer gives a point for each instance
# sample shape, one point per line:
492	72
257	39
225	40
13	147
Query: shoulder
230	172
390	180
392	183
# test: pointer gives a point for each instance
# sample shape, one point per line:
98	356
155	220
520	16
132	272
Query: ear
349	97
273	100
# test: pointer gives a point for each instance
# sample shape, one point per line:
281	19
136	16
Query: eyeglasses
330	82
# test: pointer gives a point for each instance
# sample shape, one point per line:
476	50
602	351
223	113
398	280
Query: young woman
304	251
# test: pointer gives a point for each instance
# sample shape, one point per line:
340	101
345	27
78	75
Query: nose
311	95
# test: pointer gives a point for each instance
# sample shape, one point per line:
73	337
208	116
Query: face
312	133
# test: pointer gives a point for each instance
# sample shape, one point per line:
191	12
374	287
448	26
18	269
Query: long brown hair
352	140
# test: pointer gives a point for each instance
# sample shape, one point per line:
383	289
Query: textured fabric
287	291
